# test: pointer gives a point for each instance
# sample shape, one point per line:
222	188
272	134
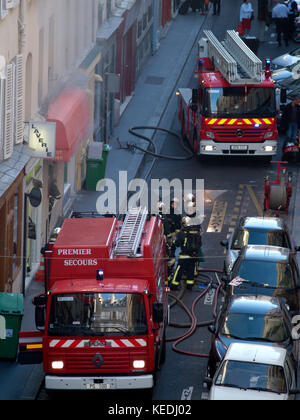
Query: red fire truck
104	313
233	109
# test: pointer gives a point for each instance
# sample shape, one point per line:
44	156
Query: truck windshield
97	314
239	101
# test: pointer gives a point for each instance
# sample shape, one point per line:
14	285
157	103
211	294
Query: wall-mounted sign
42	139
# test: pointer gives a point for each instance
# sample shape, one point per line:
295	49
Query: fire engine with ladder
233	109
101	321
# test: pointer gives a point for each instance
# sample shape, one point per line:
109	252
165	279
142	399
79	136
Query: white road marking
187	393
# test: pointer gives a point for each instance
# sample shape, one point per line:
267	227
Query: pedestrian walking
198	5
246	15
280	14
217	7
292	14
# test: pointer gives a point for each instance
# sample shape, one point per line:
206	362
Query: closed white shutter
8	141
2	89
19	99
3	8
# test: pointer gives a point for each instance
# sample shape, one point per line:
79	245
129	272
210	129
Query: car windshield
265	327
97	314
266	273
247	375
244	237
239	101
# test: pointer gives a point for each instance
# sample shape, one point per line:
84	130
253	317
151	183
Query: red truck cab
105	306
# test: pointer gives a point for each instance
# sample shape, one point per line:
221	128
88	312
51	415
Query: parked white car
287	59
254	372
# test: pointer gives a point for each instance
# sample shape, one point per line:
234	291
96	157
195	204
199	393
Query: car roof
264	223
256	353
266	253
258	305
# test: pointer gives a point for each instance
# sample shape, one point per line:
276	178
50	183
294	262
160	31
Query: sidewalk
154	89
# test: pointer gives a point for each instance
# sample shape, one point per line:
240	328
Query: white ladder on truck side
129	239
234	59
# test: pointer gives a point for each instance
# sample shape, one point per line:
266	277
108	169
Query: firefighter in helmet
195	228
188	239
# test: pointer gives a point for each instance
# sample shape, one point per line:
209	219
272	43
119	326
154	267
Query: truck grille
112	361
230	135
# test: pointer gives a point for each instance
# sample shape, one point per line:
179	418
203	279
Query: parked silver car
256	231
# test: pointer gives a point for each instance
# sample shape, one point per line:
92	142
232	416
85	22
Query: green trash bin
96	164
12	310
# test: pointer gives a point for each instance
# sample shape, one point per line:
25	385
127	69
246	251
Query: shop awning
71	113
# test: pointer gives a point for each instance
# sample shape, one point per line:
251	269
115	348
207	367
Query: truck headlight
57	364
208	148
268	134
209	134
269	148
139	364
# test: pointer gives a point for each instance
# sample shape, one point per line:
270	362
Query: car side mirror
297	248
224	243
211	329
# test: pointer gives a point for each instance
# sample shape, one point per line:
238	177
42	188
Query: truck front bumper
98	383
210	147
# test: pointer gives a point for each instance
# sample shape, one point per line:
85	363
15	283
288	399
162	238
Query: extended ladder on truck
233	58
129	239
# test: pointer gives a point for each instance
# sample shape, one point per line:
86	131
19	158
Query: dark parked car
256	231
252	319
266	270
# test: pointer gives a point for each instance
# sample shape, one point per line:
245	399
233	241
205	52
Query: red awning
71	113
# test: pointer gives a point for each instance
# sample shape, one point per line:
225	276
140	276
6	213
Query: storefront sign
42	139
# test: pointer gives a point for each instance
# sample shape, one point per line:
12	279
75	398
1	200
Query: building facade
73	63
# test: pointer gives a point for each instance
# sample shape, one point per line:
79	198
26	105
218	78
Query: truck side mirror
2	328
283	96
40	304
158	312
40	300
40	317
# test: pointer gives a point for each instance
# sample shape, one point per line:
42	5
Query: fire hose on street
191	313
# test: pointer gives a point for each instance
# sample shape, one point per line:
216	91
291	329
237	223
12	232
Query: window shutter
19	99
3	8
8	141
2	88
